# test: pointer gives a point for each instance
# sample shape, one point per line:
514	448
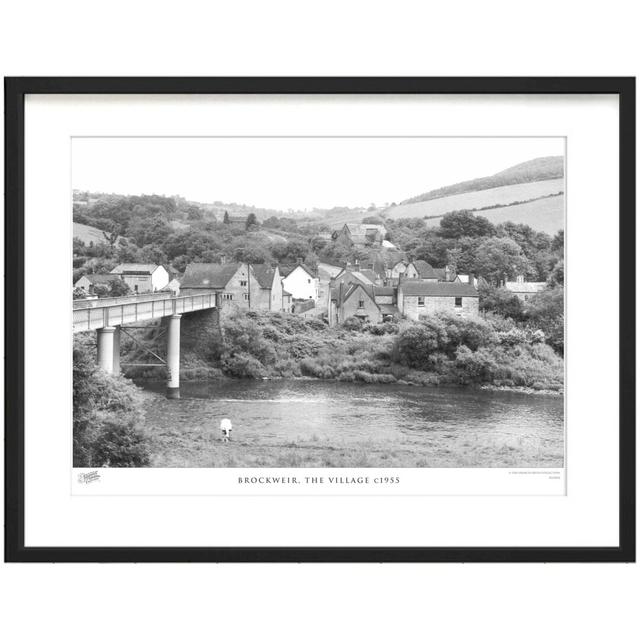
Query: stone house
142	278
269	295
420	270
418	298
326	271
88	281
238	284
369	303
353	300
524	290
173	287
360	234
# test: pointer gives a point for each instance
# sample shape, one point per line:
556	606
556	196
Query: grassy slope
477	199
88	234
542	215
546	168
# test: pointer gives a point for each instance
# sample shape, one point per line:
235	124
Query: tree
251	222
500	301
556	277
545	311
463	223
118	287
500	259
291	251
107	415
372	220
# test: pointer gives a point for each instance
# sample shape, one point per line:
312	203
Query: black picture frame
15	91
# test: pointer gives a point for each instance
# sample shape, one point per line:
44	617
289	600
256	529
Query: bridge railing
84	303
124	312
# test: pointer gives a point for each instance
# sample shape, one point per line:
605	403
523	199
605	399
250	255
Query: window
246	296
243	283
361	304
227	296
421	301
458	302
308	280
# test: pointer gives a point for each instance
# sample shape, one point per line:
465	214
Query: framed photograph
320	319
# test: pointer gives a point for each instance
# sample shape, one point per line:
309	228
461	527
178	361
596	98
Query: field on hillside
542	215
88	234
477	199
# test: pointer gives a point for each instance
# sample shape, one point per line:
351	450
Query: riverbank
486	352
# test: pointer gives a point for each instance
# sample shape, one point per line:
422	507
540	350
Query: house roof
208	275
286	269
384	291
388	309
438	289
264	274
370	274
362	276
354	287
135	267
99	278
424	269
525	287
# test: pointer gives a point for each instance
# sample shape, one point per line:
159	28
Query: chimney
223	259
471	279
356	266
520	279
299	261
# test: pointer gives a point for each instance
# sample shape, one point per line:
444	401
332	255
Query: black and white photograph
321	301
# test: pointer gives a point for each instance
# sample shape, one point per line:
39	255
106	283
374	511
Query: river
319	423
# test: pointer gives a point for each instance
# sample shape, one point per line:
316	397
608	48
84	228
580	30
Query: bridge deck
109	312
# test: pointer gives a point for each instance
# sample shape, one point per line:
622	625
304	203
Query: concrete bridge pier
116	351
173	356
106	340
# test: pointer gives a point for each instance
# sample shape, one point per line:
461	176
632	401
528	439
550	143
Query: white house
300	282
143	278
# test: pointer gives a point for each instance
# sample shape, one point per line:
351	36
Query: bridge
106	316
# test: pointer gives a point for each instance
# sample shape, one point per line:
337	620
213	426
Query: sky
294	173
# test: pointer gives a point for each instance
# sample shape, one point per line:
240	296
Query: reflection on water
280	410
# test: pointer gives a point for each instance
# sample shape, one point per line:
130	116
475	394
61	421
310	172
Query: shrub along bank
442	349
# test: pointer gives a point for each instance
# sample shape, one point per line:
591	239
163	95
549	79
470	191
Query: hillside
544	214
88	234
536	170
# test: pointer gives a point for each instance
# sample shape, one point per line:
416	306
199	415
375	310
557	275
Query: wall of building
275	302
142	282
301	285
159	278
83	283
351	307
433	304
238	291
397	270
